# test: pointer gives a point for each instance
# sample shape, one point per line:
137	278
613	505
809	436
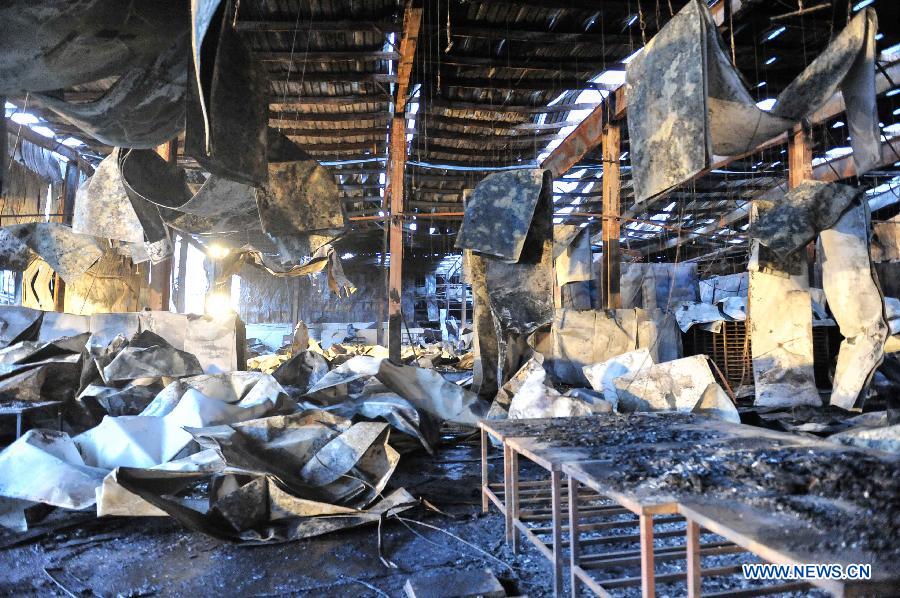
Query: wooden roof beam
537	36
326	56
349	25
834	170
334	117
507	108
279	102
345	77
26	133
412	21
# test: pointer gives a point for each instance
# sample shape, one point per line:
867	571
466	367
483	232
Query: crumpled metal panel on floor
687	102
798	218
602	375
429	391
18	323
584	338
499	213
227	100
101	38
33	372
69	254
535	398
674	385
144	108
856	302
64	480
148	355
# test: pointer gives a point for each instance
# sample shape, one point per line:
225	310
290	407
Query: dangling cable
643	23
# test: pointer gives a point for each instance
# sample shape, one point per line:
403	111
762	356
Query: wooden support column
799	157
161	274
612	210
395	283
66	208
800	168
412	19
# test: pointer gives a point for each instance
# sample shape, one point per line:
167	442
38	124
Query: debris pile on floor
246	456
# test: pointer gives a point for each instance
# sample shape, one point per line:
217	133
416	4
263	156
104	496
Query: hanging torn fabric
683	89
798	218
499	212
69	254
856	302
144	108
227	99
219	206
484	344
658	285
781	340
300	197
148	176
521	292
147	212
572	254
101	38
102	207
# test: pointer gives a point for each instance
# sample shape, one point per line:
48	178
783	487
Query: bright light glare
44	131
23	118
218	252
218	304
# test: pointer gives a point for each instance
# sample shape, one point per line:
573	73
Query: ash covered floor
75	554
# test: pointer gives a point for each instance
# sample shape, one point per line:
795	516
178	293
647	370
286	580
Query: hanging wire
730	11
287	79
642	23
